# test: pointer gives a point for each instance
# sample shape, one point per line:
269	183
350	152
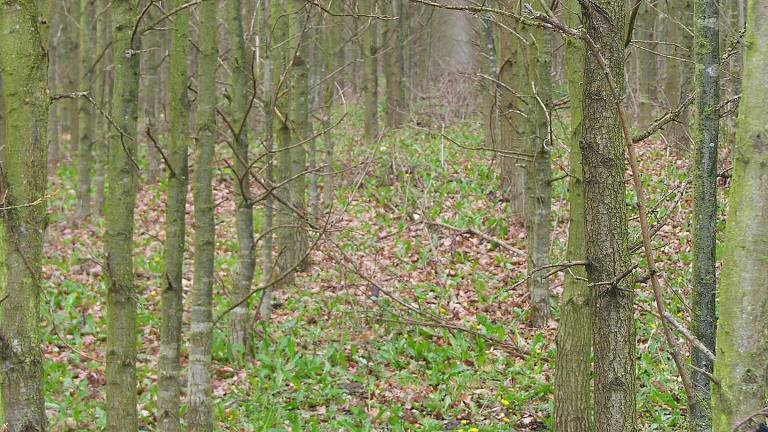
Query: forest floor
400	324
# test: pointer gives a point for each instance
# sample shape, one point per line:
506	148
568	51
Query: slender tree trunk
301	127
241	70
265	304
120	202
742	342
392	38
602	149
169	393
539	171
512	108
73	68
648	91
199	411
54	115
678	70
330	47
150	95
573	401
489	86
370	78
101	149
707	124
23	65
87	121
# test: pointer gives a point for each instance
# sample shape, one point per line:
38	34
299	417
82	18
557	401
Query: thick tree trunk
573	369
512	108
120	202
539	171
369	48
87	121
602	149
23	65
742	342
169	392
241	71
199	410
706	129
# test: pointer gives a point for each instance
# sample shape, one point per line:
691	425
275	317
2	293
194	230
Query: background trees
454	241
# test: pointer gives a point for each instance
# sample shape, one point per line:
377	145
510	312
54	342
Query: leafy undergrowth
400	324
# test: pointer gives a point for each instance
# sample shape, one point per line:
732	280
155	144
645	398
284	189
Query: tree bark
370	80
23	65
72	54
87	120
512	108
539	170
169	392
573	369
265	303
707	124
241	71
678	70
742	342
105	90
120	202
199	410
602	149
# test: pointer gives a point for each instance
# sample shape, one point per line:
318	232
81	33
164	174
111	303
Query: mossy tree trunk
265	303
87	120
605	213
539	170
706	130
240	66
199	404
573	368
169	386
513	130
120	202
23	65
742	342
104	89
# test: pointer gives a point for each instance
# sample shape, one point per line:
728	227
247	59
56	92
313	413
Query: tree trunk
301	128
370	79
330	48
742	342
101	149
120	202
393	60
678	70
169	392
241	71
265	303
602	149
54	114
199	410
573	369
72	10
707	124
539	171
87	121
490	87
23	65
512	108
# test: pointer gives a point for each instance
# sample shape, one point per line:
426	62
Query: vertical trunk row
120	202
742	343
199	411
573	407
169	393
23	62
87	120
706	128
241	75
602	149
539	170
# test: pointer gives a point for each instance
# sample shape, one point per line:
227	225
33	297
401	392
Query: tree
23	65
369	46
265	303
122	173
602	149
199	410
72	71
87	120
512	120
394	62
169	395
539	170
678	71
246	261
742	343
573	407
104	91
706	130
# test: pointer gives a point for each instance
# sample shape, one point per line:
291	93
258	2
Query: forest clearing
383	215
